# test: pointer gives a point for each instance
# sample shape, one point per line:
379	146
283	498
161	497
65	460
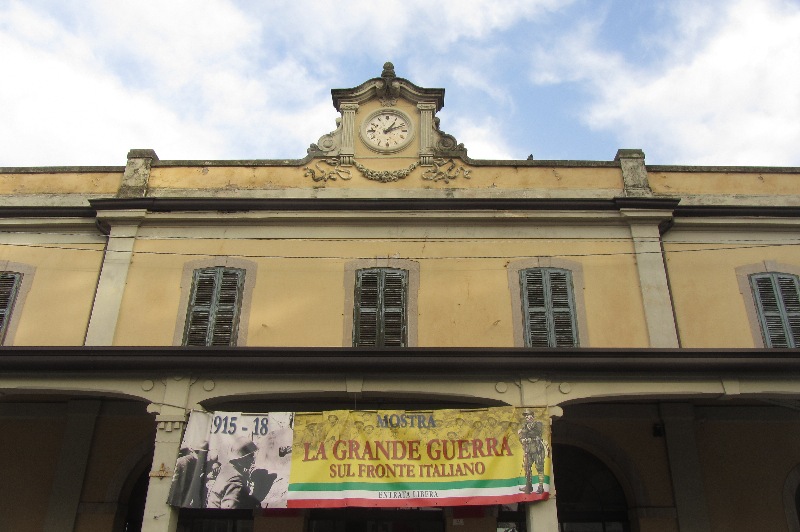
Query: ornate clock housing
387	130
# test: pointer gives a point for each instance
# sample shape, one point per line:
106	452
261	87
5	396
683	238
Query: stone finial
389	88
634	172
388	70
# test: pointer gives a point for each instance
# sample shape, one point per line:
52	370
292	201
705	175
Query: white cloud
727	93
218	78
60	108
483	139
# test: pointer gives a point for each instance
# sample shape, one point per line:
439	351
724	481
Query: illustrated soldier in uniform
534	451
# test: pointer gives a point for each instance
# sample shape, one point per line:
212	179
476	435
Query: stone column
76	446
113	274
684	464
426	133
348	150
656	297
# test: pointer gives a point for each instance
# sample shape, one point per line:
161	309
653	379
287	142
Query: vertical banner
364	458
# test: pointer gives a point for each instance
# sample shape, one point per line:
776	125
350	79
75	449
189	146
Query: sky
711	82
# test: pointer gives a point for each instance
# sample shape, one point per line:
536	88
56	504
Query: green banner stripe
409	485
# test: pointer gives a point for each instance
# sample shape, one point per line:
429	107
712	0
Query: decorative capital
425	106
349	107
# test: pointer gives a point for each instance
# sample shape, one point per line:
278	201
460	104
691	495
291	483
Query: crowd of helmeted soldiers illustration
235	472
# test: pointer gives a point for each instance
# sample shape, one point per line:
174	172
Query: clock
387	130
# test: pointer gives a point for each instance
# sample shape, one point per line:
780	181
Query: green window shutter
380	308
777	297
549	308
9	287
213	316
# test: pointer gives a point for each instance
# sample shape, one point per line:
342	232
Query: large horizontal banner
363	458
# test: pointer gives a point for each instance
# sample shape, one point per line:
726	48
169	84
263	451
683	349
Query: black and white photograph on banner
233	460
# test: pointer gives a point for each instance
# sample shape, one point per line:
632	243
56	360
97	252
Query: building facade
654	311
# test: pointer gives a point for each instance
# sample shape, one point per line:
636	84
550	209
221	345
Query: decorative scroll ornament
320	174
388	88
385	176
445	170
446	145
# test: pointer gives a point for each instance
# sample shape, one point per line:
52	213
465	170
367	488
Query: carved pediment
407	128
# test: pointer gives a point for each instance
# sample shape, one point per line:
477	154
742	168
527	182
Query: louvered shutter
778	301
394	308
367	301
380	308
9	286
213	316
549	308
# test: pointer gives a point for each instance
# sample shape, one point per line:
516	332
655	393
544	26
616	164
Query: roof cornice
424	361
378	204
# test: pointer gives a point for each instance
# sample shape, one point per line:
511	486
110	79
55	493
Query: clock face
387	131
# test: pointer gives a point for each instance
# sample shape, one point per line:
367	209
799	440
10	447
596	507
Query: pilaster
65	493
426	133
137	174
542	516
656	297
634	173
113	274
348	150
684	464
171	418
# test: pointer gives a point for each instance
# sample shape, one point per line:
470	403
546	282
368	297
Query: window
777	299
9	288
214	306
379	310
548	307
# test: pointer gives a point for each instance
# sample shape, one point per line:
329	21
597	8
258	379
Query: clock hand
391	126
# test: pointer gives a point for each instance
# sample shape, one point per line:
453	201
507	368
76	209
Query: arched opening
135	510
590	498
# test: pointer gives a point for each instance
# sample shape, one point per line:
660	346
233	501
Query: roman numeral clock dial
387	131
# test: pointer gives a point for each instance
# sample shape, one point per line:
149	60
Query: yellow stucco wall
709	305
720	183
28	470
490	179
60	183
299	295
62	291
743	477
